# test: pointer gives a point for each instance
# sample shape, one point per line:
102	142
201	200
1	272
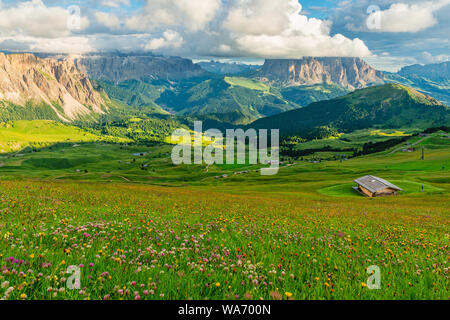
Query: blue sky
401	32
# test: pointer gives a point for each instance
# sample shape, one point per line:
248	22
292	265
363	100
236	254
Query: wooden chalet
371	186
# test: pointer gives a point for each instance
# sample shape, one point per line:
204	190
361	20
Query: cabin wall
386	192
366	192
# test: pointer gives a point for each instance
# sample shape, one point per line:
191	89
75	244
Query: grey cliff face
122	68
347	72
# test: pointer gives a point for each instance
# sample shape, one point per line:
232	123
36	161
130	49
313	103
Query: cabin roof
375	184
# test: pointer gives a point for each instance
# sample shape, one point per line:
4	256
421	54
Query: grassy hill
386	106
17	135
304	95
138	94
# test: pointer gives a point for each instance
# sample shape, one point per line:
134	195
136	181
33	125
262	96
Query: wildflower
218	284
275	295
31	256
23	296
363	284
288	294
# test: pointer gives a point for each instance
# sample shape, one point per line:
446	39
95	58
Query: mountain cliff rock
26	79
349	73
119	68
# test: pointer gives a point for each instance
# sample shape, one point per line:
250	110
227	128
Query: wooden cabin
371	186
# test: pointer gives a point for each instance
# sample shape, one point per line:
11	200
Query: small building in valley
371	186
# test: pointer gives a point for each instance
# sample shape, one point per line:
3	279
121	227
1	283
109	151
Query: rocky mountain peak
119	67
347	72
26	78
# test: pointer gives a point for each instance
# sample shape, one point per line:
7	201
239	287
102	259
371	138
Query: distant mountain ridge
145	67
432	71
431	79
226	68
351	73
57	87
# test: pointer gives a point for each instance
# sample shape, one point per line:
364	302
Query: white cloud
289	33
261	16
240	28
34	18
389	63
170	39
191	14
72	44
428	58
109	20
402	17
115	3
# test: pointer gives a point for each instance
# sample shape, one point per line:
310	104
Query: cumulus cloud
261	16
34	18
277	29
170	39
240	28
191	14
71	44
402	17
109	20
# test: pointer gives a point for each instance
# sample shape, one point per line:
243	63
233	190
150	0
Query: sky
389	34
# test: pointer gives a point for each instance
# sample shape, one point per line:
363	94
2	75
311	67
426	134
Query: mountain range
295	95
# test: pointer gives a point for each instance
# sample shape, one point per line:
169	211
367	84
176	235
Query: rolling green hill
232	99
386	106
17	135
304	95
138	94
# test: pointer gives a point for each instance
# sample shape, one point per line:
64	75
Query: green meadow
139	227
